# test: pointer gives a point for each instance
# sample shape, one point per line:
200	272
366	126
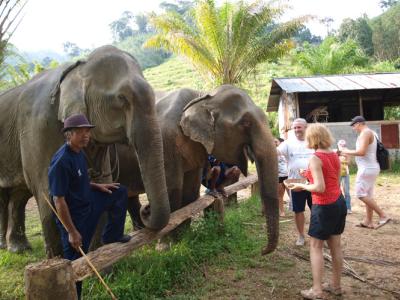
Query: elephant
225	123
110	89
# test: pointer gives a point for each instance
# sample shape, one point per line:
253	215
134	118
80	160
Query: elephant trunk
267	170
149	147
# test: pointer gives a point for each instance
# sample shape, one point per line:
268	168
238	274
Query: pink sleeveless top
330	171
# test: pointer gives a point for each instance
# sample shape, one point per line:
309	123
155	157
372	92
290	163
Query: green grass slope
177	73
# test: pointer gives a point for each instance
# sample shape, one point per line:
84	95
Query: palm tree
332	57
9	14
225	43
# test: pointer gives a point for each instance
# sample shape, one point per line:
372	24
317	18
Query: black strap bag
382	155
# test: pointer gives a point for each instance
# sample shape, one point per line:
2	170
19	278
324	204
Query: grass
177	73
12	265
149	274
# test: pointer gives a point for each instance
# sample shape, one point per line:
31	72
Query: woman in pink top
328	214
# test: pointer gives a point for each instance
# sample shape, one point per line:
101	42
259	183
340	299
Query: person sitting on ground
80	203
328	213
344	173
367	171
217	175
282	176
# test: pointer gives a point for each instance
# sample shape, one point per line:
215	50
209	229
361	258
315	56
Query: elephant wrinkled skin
225	123
109	88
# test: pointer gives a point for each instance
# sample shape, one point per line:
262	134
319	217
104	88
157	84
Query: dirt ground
284	274
380	247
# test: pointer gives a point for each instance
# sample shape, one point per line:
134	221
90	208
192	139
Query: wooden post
232	199
218	207
50	279
255	189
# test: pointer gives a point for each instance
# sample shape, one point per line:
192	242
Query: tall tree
304	35
358	30
180	6
121	28
385	4
10	11
225	43
332	57
327	21
141	21
385	34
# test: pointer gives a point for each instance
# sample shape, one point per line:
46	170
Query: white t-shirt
297	155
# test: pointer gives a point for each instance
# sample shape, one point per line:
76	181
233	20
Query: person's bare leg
281	192
368	216
215	171
337	260
299	219
372	206
231	176
317	264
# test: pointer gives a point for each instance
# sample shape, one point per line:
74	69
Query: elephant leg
190	193
51	233
134	211
16	238
3	218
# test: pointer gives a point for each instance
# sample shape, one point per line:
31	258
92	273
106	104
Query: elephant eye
122	97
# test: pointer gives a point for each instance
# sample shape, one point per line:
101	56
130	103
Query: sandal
328	288
310	294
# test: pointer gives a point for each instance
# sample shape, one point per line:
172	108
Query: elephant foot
19	247
3	244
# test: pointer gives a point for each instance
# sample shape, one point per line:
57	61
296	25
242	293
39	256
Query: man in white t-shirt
297	156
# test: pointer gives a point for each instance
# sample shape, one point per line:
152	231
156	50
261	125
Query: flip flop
362	225
382	223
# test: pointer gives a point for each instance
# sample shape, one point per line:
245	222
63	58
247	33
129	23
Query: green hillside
177	73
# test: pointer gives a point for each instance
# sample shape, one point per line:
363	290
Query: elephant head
110	89
229	125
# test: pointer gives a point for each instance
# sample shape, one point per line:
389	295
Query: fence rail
58	271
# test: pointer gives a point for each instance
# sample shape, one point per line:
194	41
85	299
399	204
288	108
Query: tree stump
50	279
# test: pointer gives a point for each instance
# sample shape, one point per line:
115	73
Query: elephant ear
197	122
68	91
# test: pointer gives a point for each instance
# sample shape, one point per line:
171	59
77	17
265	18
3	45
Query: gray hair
68	134
300	120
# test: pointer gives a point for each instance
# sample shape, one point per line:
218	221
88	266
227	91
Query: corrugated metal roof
330	83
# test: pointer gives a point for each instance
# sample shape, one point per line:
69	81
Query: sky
47	24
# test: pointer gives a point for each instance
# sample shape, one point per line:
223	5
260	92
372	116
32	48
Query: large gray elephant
225	123
109	88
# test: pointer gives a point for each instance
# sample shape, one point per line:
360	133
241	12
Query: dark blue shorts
327	220
299	200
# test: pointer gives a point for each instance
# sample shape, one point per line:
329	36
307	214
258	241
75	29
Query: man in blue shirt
79	202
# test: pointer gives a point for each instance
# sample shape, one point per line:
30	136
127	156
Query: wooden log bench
54	279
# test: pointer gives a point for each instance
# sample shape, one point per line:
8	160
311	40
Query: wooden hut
335	100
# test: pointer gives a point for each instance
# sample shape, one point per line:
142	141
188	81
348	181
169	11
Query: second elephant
225	123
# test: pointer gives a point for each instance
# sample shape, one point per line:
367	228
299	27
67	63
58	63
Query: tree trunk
50	279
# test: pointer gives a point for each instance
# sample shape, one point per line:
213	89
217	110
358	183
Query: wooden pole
49	280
